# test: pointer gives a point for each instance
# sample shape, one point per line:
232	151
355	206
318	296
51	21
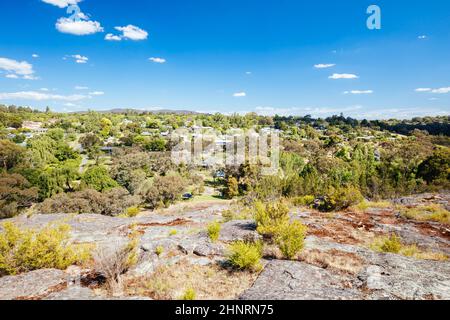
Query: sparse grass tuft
214	231
189	295
364	205
393	244
238	214
114	260
132	212
432	212
173	232
246	256
159	251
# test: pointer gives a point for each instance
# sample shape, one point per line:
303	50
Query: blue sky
228	56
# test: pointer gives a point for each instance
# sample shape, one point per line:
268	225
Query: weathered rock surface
398	277
342	237
33	285
290	280
385	276
73	293
239	231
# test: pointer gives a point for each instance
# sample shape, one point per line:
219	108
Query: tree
10	154
165	191
436	167
157	144
98	178
91	143
15	194
232	188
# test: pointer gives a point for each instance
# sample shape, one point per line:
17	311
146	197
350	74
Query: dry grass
333	259
208	282
432	212
394	244
363	206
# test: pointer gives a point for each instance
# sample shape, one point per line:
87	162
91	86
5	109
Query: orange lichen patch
334	259
209	282
174	223
433	230
340	231
57	288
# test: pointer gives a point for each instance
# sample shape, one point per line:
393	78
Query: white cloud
422	37
112	37
441	90
96	93
324	65
17	69
30	77
45	89
20	68
157	60
423	90
240	94
359	92
81	88
82	27
34	55
61	3
132	32
438	90
39	96
248	73
78	58
336	76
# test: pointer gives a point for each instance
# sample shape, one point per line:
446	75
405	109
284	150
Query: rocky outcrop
33	285
384	276
242	230
291	280
397	277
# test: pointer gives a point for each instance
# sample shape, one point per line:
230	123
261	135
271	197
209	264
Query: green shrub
214	231
391	244
339	199
159	250
132	212
245	256
28	250
290	239
173	232
189	294
270	216
303	201
98	178
232	188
